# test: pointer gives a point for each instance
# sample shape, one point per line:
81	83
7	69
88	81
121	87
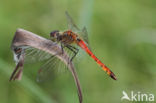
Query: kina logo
138	96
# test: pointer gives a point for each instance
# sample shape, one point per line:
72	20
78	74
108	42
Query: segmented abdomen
83	45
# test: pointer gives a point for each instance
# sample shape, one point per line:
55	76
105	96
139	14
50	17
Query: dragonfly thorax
66	37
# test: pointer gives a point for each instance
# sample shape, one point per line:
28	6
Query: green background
122	33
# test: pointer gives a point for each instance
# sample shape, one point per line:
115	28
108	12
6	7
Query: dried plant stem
25	38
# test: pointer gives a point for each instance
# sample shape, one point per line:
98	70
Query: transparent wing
51	64
72	26
84	35
50	68
35	55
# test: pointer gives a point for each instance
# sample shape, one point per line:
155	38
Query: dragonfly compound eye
54	33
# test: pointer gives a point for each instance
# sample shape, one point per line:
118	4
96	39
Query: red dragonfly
69	37
66	39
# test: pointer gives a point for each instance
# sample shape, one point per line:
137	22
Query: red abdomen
82	44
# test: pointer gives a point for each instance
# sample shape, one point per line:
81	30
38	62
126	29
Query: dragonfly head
54	35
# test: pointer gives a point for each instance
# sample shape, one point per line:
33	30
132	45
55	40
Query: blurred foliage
122	34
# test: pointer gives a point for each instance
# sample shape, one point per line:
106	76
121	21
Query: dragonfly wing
53	66
84	35
71	25
50	68
35	55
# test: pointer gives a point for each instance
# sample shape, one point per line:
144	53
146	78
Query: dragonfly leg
74	50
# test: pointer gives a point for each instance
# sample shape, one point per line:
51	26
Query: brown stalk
25	38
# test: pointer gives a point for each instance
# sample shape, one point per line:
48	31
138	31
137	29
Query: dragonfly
79	37
73	35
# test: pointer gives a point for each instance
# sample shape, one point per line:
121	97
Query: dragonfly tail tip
112	75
